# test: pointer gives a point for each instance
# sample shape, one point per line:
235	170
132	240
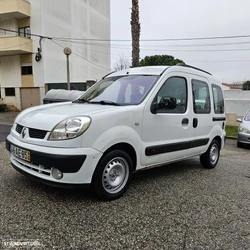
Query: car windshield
122	90
247	117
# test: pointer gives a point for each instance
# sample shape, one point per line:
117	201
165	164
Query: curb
5	123
232	137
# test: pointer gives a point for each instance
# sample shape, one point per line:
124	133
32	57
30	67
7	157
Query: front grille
35	167
37	133
19	128
33	133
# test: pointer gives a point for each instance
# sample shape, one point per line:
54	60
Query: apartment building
33	35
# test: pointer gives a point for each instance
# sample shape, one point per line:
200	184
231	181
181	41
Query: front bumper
65	163
76	164
244	137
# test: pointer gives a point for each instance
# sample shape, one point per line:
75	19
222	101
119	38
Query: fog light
56	173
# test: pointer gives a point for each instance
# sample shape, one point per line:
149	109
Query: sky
227	59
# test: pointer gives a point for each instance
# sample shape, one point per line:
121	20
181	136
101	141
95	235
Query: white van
130	120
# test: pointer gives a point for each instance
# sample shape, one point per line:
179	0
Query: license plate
20	153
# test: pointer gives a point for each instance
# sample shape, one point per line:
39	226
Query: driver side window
174	87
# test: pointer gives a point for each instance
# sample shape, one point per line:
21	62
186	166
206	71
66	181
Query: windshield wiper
81	101
104	102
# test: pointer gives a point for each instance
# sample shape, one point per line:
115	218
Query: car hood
46	117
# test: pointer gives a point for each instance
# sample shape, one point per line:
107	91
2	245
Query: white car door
201	120
166	132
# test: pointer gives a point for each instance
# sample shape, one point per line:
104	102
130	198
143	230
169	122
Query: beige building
47	27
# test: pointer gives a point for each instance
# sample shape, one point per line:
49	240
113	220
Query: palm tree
135	32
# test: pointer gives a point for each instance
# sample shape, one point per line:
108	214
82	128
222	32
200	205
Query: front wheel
112	175
210	158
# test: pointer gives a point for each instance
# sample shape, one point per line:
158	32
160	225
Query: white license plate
20	153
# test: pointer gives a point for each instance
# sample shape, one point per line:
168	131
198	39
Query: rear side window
218	99
201	97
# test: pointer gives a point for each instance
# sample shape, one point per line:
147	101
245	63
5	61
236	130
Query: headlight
243	129
70	128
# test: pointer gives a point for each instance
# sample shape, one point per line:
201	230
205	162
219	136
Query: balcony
15	45
14	9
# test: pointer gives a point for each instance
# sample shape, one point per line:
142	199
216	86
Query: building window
10	92
27	70
24	32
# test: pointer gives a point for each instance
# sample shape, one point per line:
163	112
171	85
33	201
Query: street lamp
67	52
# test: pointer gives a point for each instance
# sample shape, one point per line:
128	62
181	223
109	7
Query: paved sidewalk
7	118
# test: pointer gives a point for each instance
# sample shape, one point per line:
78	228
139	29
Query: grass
232	131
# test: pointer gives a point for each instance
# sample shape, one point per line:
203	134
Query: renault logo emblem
24	132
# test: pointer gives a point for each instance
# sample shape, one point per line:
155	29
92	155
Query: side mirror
239	120
167	102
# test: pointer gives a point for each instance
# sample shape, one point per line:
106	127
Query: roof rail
189	66
108	74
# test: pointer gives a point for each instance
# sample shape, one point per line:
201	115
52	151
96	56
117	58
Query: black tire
112	175
240	144
210	158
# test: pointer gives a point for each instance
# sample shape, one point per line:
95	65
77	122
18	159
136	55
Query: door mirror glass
167	102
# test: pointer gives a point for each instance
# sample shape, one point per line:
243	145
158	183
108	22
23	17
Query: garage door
30	97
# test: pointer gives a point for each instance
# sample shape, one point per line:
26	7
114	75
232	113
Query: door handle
195	122
184	121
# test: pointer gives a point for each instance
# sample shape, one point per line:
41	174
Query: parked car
244	130
130	120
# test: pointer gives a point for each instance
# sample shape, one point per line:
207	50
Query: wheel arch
218	139
97	182
129	149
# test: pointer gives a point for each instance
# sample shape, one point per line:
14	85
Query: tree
246	85
122	63
135	32
159	60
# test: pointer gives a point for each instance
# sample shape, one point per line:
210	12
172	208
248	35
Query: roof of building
231	86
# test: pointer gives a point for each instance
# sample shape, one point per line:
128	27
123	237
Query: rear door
201	115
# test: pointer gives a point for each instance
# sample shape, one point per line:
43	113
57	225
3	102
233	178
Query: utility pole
135	32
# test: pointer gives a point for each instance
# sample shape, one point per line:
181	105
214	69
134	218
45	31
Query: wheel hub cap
115	175
214	152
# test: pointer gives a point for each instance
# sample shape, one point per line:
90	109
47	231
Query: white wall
73	19
37	28
61	18
237	103
10	76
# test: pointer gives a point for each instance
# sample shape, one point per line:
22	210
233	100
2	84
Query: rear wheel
210	158
112	175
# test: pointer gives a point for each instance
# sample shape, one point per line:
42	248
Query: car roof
159	70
